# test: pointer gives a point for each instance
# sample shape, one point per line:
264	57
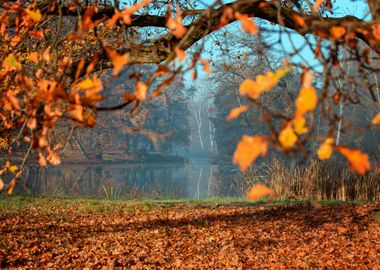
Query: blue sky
306	57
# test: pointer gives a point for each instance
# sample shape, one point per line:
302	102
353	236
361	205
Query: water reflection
194	179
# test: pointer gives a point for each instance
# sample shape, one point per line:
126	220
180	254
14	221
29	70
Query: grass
53	206
315	181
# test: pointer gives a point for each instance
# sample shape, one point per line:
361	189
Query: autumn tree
55	55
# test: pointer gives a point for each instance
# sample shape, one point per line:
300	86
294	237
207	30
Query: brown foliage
220	237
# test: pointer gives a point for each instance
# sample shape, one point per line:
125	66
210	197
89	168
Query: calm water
195	179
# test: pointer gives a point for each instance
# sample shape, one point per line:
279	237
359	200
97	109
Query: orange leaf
1	184
376	119
299	125
235	112
287	137
337	31
175	24
325	150
76	111
181	54
258	191
41	159
86	19
358	161
80	68
32	123
299	20
307	101
129	97
307	79
248	150
317	4
33	56
228	15
376	31
53	158
247	24
11	187
206	66
262	83
118	60
141	90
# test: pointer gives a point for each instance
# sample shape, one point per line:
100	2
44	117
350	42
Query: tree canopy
57	56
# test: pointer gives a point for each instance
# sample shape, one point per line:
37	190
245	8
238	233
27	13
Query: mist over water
196	178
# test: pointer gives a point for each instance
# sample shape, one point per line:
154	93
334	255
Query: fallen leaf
10	63
34	15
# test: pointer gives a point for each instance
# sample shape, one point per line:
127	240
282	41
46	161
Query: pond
197	178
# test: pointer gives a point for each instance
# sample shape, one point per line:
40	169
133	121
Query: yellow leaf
326	149
1	184
376	119
307	101
11	168
258	191
287	137
248	150
235	112
262	83
299	124
34	15
358	161
93	84
141	90
118	60
10	63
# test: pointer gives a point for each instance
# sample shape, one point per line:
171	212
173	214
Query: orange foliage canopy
47	76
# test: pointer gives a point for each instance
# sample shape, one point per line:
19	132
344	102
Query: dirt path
182	237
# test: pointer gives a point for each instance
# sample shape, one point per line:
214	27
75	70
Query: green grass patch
53	206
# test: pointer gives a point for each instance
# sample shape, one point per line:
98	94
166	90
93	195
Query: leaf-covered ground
70	235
